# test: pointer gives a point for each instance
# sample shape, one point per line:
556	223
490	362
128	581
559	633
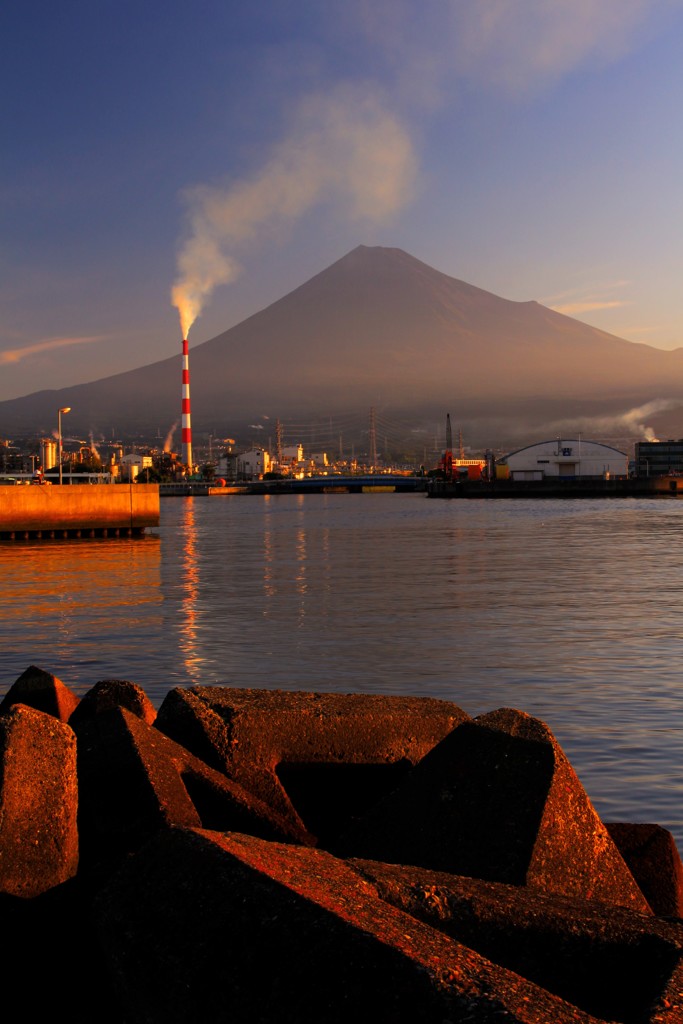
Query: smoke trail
344	149
169	437
632	421
93	446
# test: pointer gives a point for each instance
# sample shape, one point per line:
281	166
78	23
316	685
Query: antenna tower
373	440
278	441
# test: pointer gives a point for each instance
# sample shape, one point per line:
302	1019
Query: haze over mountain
381	329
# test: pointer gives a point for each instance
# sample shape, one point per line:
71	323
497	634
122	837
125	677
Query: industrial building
659	458
565	459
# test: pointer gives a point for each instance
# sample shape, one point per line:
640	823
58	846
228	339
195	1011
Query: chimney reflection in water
189	616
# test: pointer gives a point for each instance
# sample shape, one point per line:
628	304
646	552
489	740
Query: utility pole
278	441
373	440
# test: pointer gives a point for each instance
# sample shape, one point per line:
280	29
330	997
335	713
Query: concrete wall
79	507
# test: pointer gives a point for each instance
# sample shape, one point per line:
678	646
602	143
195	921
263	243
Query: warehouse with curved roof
566	459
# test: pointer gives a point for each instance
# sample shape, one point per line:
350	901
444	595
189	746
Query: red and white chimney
186	423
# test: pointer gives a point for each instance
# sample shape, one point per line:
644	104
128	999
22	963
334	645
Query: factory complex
46	460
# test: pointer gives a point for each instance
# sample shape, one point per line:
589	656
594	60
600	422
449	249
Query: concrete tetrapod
497	799
204	926
38	802
318	759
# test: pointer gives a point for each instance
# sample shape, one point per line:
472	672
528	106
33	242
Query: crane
447	458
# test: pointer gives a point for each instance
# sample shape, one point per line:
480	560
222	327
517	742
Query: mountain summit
377	328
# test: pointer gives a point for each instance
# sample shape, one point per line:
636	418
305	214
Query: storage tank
48	453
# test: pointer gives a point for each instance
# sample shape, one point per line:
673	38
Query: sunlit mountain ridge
381	329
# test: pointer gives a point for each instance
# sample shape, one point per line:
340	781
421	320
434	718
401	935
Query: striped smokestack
186	451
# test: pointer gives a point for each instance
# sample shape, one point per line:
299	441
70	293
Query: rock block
498	800
114	693
42	691
203	926
652	856
611	962
134	780
319	759
38	802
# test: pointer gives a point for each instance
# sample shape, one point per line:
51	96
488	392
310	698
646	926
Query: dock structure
93	510
559	487
372	483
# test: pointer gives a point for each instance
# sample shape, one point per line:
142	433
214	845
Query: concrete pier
93	510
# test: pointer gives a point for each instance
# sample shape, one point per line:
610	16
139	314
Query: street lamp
67	408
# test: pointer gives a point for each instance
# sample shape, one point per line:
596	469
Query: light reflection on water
569	610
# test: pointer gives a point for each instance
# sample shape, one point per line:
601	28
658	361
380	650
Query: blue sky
530	147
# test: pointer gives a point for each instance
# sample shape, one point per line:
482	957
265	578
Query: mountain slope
380	328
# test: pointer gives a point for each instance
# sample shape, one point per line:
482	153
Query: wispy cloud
523	45
345	149
517	48
17	355
588	306
575	301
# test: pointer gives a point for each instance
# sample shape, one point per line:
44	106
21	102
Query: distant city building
226	465
293	453
253	464
132	465
659	458
563	458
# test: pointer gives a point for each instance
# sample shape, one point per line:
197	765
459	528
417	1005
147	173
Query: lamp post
67	408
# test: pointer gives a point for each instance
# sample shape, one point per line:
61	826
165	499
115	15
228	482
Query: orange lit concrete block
653	858
38	802
320	759
201	926
42	691
134	781
497	799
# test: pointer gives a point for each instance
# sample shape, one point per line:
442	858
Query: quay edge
579	487
378	483
93	510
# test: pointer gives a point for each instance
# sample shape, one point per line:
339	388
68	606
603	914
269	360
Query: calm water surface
569	610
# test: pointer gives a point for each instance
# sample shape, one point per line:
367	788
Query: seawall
79	510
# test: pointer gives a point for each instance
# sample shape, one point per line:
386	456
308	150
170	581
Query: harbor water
570	610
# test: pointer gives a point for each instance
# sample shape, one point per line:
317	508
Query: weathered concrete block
498	800
654	861
134	780
320	759
114	693
42	691
203	926
38	802
612	962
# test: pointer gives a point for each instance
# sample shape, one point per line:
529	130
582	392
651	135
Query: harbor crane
447	457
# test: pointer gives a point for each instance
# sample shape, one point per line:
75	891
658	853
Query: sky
170	166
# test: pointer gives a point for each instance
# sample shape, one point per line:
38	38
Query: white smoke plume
169	437
345	149
93	446
632	422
